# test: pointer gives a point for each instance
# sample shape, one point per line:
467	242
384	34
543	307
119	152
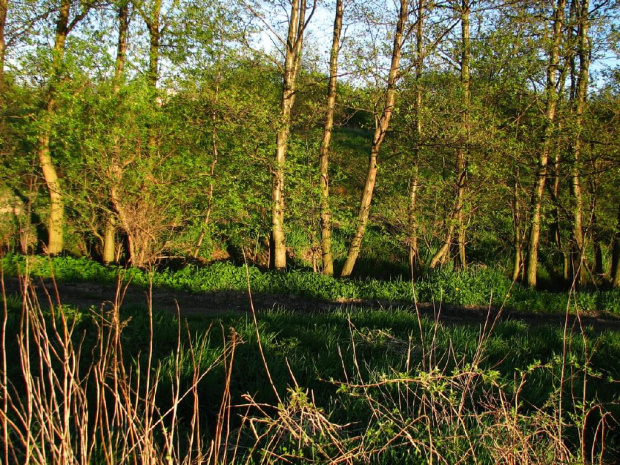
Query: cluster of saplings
413	133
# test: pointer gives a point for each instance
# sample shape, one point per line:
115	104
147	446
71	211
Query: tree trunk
594	227
541	171
379	135
326	228
458	214
556	226
152	23
56	220
109	240
463	151
109	237
121	46
412	225
576	146
554	189
294	44
596	245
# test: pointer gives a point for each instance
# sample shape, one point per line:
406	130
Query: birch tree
56	221
297	25
382	123
551	98
583	53
326	229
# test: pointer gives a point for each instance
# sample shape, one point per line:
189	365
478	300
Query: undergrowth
115	385
479	287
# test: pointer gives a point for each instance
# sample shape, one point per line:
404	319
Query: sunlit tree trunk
326	216
109	240
109	237
293	49
56	220
412	225
582	13
381	127
541	170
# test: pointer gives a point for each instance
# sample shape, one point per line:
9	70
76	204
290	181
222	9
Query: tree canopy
139	130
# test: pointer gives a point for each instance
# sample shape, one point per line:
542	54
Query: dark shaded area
91	294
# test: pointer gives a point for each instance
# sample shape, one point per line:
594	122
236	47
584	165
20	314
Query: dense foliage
164	148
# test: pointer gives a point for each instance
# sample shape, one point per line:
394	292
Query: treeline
414	133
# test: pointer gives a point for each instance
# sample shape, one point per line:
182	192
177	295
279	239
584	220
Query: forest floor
211	304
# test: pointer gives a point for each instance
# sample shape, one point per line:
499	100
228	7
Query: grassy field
131	384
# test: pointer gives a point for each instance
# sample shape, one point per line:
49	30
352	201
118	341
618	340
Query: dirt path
86	295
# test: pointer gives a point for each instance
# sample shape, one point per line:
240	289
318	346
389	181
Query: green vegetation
438	156
357	385
130	138
476	286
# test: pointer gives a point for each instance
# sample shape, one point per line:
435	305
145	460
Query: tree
56	222
551	96
292	56
152	18
382	123
109	236
326	230
458	214
414	179
583	52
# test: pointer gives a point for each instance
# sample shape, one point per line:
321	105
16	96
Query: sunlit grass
478	287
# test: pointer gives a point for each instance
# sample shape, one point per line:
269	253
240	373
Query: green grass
385	376
326	354
477	286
